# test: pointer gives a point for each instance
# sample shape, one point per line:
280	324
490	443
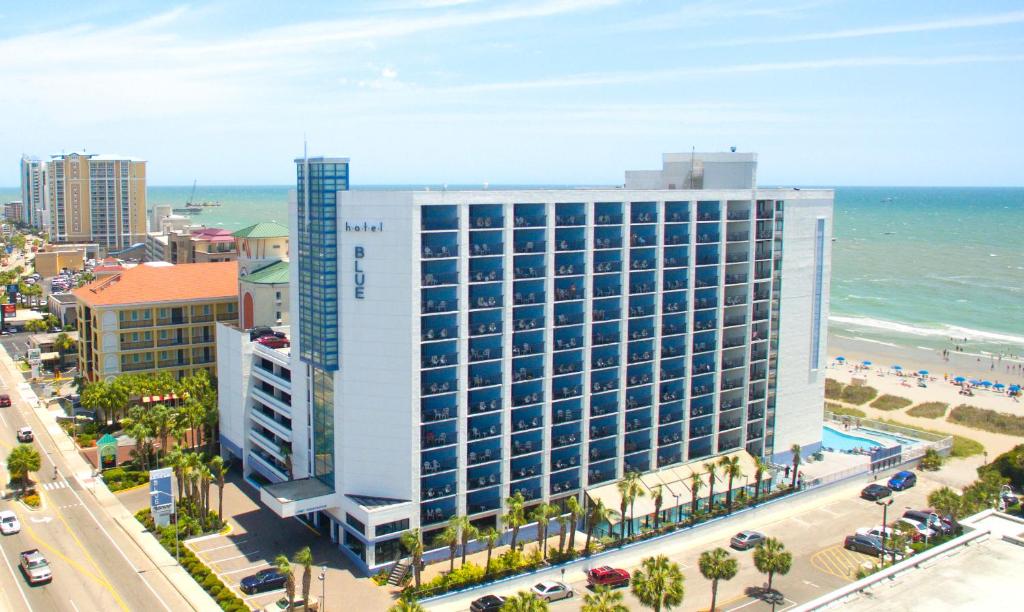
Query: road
96	566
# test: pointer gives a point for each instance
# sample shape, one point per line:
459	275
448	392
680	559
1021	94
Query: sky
520	92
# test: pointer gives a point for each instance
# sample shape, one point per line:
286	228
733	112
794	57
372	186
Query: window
277	315
355	523
392	527
387	551
278	294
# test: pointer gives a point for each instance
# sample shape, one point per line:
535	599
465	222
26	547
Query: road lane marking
17	582
73	605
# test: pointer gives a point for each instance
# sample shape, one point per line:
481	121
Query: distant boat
889	199
889	233
193	207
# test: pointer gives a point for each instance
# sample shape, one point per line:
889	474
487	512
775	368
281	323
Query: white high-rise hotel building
450	348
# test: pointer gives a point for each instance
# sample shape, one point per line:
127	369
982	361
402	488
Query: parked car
550	590
745	540
25	434
258	332
932	520
607	576
266	580
1008	498
35	566
875	491
274	342
902	481
9	524
281	605
917	527
487	603
876	532
869	545
5	400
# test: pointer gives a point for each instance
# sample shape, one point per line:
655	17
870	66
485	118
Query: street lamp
885	527
323	587
679	509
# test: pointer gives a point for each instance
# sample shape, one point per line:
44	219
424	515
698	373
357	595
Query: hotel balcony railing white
279	429
269	377
266	444
268	465
272	402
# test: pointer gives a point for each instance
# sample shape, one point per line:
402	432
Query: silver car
35	566
550	590
745	540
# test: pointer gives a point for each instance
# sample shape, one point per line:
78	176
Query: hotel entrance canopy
293	497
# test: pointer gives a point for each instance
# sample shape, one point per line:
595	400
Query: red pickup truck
608	576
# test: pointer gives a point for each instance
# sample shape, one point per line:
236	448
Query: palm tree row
194	476
283	565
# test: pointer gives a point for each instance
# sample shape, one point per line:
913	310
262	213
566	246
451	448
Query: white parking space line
3	420
258	595
246	569
830	512
241	556
213	548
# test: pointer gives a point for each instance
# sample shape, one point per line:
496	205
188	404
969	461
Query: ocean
925	267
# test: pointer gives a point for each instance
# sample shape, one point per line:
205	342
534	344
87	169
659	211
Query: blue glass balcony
677	212
704	342
640	351
529	241
643	259
525	318
606	403
437	461
707	255
639	462
442	380
529	215
606	310
486	244
528	343
709	210
640	374
564	387
570	264
641	329
642	282
604	427
484	451
437	511
604	380
484	349
643	212
485	296
673	324
527	368
530	417
566	338
566	411
700	448
484	400
705	280
528	292
570	288
570	239
439	272
707	234
701	427
641	306
704	363
602	450
670	413
485	426
568	313
604	357
439	354
485	374
671	390
439	217
607	237
527	467
567	362
570	214
528	266
605	333
702	385
565	482
485	325
730	420
438	328
638	442
486	500
638	419
673	369
670	455
608	213
439	408
524	394
701	406
482	270
439	245
601	472
643	235
607	286
439	299
639	397
565	458
675	279
527	443
482	216
670	434
530	489
565	435
676	257
436	435
672	347
434	487
704	320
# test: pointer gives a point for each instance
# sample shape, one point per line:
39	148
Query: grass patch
841	410
987	420
891	402
858	395
833	389
962	447
929	410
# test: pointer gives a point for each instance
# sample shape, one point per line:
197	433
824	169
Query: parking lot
812	529
235	557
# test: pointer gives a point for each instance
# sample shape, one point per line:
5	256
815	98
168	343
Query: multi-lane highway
96	566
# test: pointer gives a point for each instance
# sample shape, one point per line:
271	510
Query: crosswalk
51	486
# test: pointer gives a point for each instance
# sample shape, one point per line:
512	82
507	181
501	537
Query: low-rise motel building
155	317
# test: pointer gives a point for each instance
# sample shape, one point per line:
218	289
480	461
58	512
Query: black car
487	603
867	544
266	580
874	492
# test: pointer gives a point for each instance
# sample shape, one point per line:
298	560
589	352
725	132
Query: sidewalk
176	575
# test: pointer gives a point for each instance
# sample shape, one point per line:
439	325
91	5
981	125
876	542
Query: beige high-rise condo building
97	198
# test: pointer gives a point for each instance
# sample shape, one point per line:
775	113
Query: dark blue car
901	481
266	580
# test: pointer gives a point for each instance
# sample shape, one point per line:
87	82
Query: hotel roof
263	230
158	284
274	274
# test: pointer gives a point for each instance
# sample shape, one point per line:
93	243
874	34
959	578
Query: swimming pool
889	436
837	440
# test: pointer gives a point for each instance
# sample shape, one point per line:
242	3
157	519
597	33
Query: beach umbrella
986	383
840	358
865	362
974	381
923	372
1015	388
959	379
999	386
897	367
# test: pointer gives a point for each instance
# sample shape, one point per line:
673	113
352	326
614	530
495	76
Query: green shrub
210	581
215	590
833	389
859	395
929	410
931	461
841	410
987	420
962	447
886	402
1011	465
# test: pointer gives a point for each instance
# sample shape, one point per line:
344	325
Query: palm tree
515	517
604	599
696	484
712	470
176	460
284	567
771	557
599	513
524	601
161	419
717	565
658	584
563	530
573	506
412	541
139	431
795	449
624	488
490	536
407	603
733	470
657	495
218	470
946	502
63	343
468	532
450	538
636	489
23	458
205	476
760	467
305	558
542	516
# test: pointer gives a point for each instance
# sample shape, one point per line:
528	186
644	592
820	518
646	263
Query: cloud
389	73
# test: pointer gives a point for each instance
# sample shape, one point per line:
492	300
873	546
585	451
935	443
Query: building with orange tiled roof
155	318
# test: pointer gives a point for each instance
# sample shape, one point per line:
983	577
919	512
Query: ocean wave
866	297
944	330
858	339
